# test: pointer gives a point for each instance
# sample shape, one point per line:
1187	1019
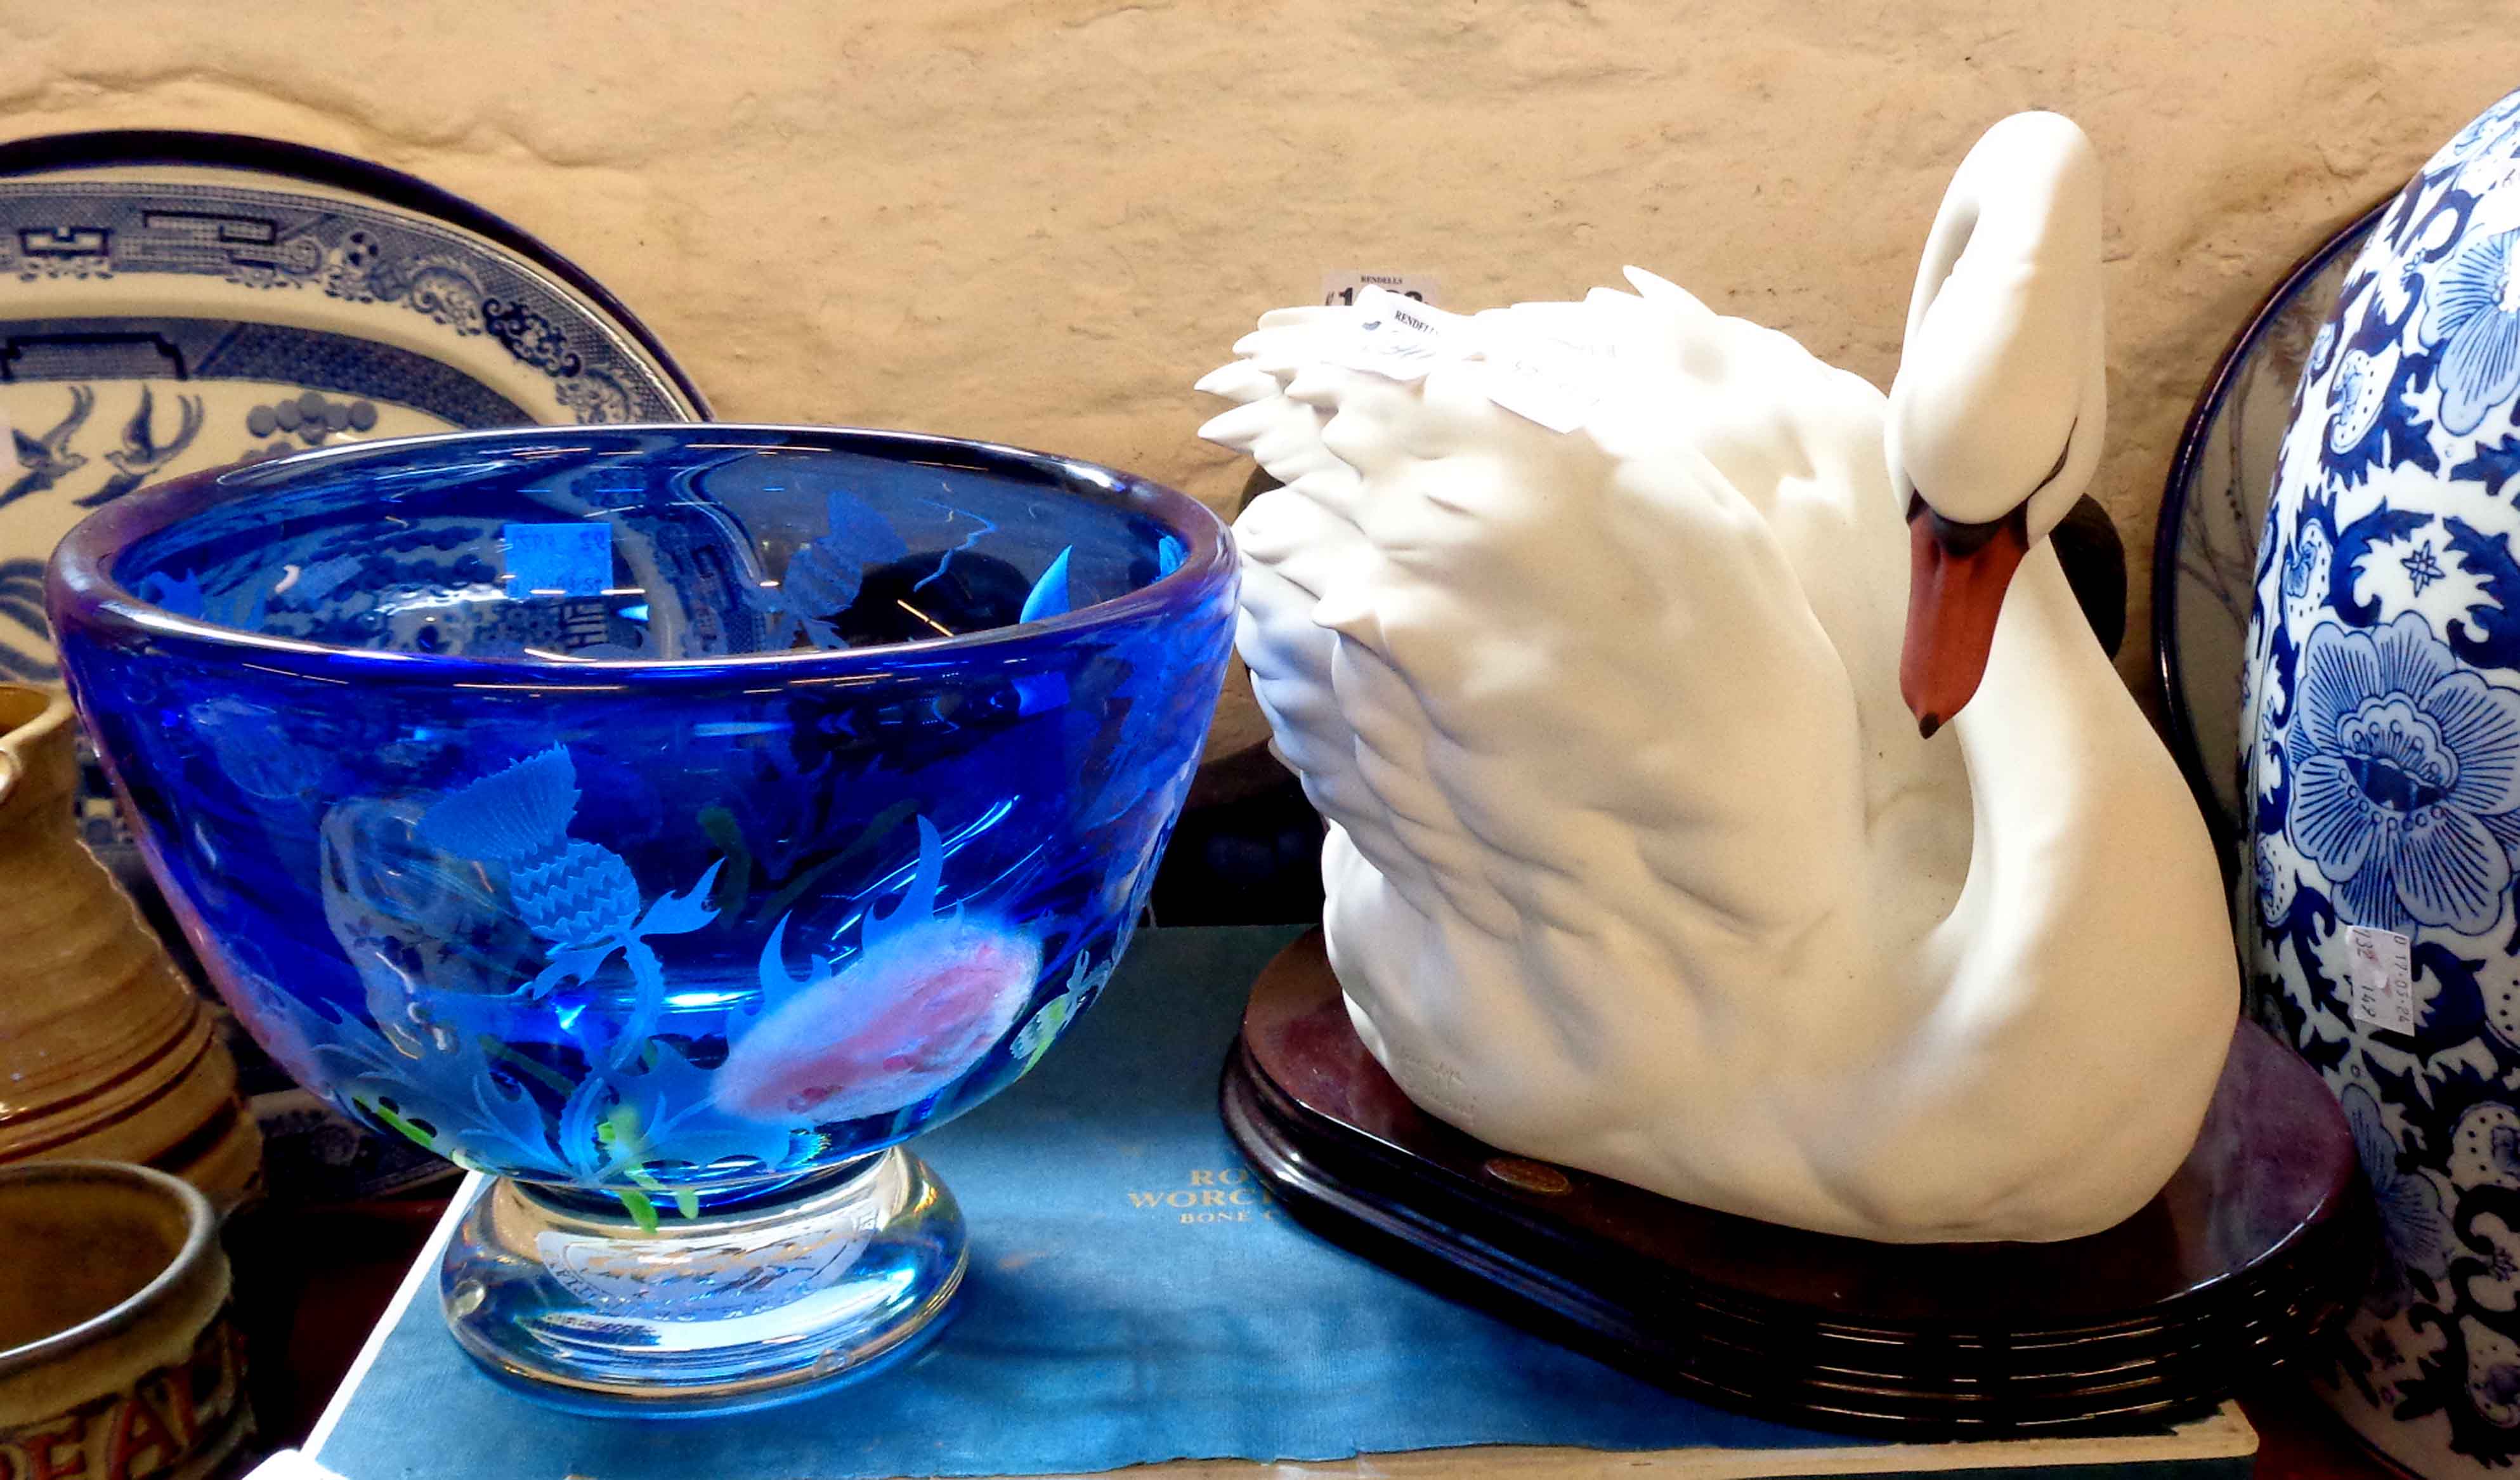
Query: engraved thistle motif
927	992
576	895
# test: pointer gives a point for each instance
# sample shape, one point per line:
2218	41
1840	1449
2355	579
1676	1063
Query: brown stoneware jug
105	1050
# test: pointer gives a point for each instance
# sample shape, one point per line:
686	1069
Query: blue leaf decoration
681	914
670	1107
777	984
2495	463
1049	596
919	900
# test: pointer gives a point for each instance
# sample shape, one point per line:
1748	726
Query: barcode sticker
2379	981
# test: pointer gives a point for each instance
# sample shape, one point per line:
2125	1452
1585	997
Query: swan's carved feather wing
1301	543
1497	654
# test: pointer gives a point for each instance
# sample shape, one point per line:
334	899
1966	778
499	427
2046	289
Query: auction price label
1397	336
2379	980
1340	287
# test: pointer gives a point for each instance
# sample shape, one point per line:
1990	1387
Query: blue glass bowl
661	817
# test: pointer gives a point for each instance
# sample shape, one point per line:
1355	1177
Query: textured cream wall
1038	222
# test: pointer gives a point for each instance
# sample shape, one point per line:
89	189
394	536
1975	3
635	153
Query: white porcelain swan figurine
1637	860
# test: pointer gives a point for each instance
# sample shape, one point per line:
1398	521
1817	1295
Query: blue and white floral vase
2381	749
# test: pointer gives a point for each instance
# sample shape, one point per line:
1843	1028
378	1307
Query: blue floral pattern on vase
2406	775
2471	320
2380	744
2411	1222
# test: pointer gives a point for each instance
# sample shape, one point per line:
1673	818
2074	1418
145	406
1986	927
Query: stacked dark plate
2264	1237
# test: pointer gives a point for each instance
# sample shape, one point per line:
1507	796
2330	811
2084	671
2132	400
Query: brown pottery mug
119	1360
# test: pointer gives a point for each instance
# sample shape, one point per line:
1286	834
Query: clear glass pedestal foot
763	1303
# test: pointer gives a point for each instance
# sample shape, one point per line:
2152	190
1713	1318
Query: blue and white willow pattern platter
2380	736
170	303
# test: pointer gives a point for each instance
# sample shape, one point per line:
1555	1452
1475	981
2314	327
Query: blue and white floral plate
171	301
2212	513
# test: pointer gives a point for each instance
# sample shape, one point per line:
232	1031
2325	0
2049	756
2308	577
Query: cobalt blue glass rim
88	604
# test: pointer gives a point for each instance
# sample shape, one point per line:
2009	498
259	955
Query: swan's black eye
1960	539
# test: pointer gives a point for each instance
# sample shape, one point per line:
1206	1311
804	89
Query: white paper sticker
1552	382
1398	338
2379	979
1342	287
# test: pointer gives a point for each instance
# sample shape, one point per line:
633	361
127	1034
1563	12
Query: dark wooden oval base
2263	1237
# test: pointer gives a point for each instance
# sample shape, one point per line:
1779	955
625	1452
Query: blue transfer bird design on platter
2379	751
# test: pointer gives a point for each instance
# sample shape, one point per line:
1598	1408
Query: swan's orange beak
1956	583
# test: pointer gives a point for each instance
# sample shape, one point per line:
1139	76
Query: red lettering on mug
57	1455
138	1430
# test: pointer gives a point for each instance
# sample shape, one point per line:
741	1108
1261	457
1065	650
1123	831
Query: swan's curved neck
1997	376
1994	423
2045	742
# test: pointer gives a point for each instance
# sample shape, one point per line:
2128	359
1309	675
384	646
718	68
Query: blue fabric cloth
1132	1298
